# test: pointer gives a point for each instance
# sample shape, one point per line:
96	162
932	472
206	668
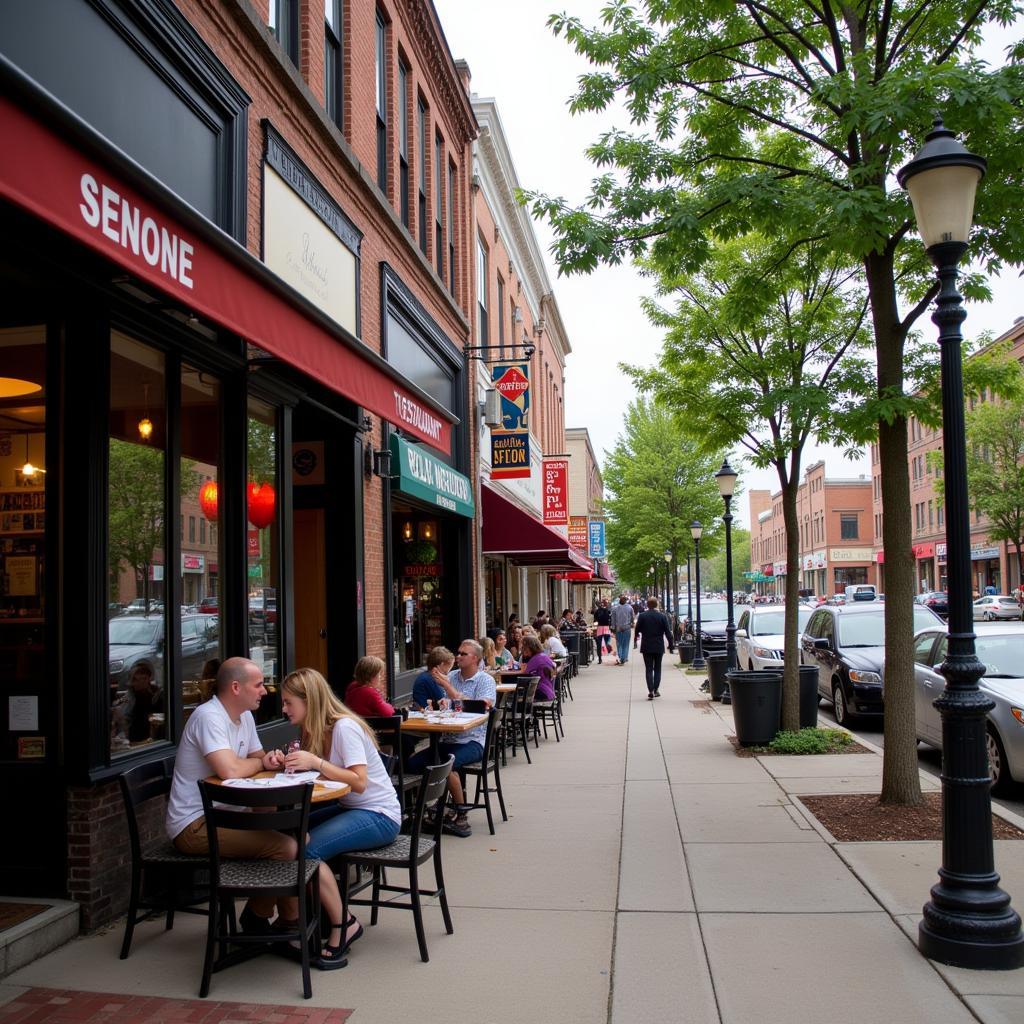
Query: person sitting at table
465	682
339	745
145	697
580	620
566	621
487	662
553	642
428	687
515	641
502	655
539	663
220	739
365	694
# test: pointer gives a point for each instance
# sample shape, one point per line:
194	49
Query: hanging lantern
261	505
208	500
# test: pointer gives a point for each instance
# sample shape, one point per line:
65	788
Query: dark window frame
846	521
334	71
403	141
439	204
285	26
381	99
421	141
452	177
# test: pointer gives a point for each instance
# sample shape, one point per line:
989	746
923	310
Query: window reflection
263	551
137	512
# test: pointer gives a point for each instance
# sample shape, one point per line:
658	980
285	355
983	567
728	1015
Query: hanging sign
510	446
578	533
510	454
556	492
595	532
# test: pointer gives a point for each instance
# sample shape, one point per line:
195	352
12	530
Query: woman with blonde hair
339	745
487	657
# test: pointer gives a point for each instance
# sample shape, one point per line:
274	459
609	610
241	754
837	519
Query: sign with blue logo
595	533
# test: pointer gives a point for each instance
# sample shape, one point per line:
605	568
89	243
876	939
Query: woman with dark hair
539	664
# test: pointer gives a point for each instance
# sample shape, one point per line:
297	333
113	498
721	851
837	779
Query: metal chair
184	879
283	809
388	729
551	710
521	711
407	852
488	766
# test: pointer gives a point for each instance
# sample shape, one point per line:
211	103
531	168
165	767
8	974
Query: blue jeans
622	637
355	829
465	753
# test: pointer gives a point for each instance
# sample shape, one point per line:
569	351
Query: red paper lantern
261	505
208	500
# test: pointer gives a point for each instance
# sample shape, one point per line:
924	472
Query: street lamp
726	480
668	583
689	602
968	921
698	651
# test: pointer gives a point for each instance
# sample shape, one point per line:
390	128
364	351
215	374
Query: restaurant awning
509	531
138	224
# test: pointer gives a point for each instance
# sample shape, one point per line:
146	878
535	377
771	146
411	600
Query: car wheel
990	616
842	713
751	668
997	767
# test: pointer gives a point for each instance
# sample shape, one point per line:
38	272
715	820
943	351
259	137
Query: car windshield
1007	600
1003	656
710	610
868	630
774	622
141	632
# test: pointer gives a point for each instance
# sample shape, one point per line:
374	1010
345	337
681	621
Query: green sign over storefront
414	471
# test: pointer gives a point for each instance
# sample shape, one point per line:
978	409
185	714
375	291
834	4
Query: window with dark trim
481	289
382	105
451	228
333	74
284	23
439	204
403	142
501	318
421	142
848	525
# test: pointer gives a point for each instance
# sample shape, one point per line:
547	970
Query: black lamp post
726	480
968	921
698	650
689	600
668	584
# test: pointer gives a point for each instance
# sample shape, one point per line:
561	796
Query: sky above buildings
515	58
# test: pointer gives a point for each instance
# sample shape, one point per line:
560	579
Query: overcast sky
514	58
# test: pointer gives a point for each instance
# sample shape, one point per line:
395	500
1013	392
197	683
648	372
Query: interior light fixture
407	531
14	387
29	470
146	424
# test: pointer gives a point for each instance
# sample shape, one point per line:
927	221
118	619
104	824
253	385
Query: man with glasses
467	681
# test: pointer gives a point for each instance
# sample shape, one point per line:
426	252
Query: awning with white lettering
168	245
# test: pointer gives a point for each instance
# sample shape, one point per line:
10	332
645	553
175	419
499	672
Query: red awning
508	530
186	258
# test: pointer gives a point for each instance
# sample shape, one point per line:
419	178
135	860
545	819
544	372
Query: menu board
22	510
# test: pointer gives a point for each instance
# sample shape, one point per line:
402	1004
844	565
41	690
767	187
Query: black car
135	640
713	617
847	643
937	600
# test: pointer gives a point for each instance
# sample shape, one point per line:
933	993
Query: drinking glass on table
291	749
444	706
457	707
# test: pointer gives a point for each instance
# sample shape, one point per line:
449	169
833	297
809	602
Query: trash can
716	674
756	705
686	648
808	696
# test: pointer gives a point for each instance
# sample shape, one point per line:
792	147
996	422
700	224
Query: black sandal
332	958
346	944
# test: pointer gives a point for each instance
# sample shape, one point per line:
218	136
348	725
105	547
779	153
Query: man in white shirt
220	739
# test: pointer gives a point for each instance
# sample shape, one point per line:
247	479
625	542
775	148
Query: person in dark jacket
651	626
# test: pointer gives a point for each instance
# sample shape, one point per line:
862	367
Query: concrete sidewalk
646	874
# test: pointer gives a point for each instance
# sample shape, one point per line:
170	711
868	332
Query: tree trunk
791	655
901	782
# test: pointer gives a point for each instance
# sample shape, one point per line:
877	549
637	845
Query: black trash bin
756	705
808	696
716	674
686	648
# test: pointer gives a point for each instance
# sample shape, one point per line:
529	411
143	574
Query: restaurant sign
510	454
578	533
420	475
556	492
510	446
595	532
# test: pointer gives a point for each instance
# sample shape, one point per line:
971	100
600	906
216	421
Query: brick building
255	268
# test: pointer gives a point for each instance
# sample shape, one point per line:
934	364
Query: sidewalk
646	874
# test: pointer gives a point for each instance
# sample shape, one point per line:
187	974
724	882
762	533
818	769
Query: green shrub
810	741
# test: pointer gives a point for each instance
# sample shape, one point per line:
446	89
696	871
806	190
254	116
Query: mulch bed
850	748
860	818
14	913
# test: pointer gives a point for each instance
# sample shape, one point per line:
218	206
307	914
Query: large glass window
451	228
421	142
420	586
284	23
848	529
439	205
136	545
481	290
382	105
333	75
403	142
263	551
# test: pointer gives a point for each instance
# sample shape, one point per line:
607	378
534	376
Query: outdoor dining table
433	726
321	793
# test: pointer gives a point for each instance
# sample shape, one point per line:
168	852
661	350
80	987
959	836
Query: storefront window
200	559
137	514
419	586
264	553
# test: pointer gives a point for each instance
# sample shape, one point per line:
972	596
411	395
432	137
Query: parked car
937	600
714	614
140	606
141	639
847	643
208	606
1001	648
996	606
760	636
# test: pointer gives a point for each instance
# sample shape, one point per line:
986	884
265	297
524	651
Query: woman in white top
342	747
552	641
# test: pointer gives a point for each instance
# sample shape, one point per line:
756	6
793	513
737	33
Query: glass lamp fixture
668	555
28	470
696	530
726	479
407	531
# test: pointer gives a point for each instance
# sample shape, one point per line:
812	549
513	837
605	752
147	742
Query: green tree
754	357
656	484
768	113
712	572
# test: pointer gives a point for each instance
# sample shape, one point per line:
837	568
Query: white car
760	636
996	606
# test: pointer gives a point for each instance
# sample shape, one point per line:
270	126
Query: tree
995	469
754	356
761	113
712	573
656	484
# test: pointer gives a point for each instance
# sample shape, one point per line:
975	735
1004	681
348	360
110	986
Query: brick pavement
67	1006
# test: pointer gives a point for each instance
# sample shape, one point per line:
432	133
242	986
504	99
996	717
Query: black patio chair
175	881
489	766
284	809
550	711
388	729
521	722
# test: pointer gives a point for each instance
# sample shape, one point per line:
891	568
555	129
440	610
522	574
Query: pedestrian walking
602	629
622	619
651	627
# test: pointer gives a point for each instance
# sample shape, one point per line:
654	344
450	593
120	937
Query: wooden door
310	592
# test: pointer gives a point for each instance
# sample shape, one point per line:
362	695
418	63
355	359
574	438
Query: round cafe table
321	794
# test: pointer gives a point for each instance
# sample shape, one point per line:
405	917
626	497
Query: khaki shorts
263	844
